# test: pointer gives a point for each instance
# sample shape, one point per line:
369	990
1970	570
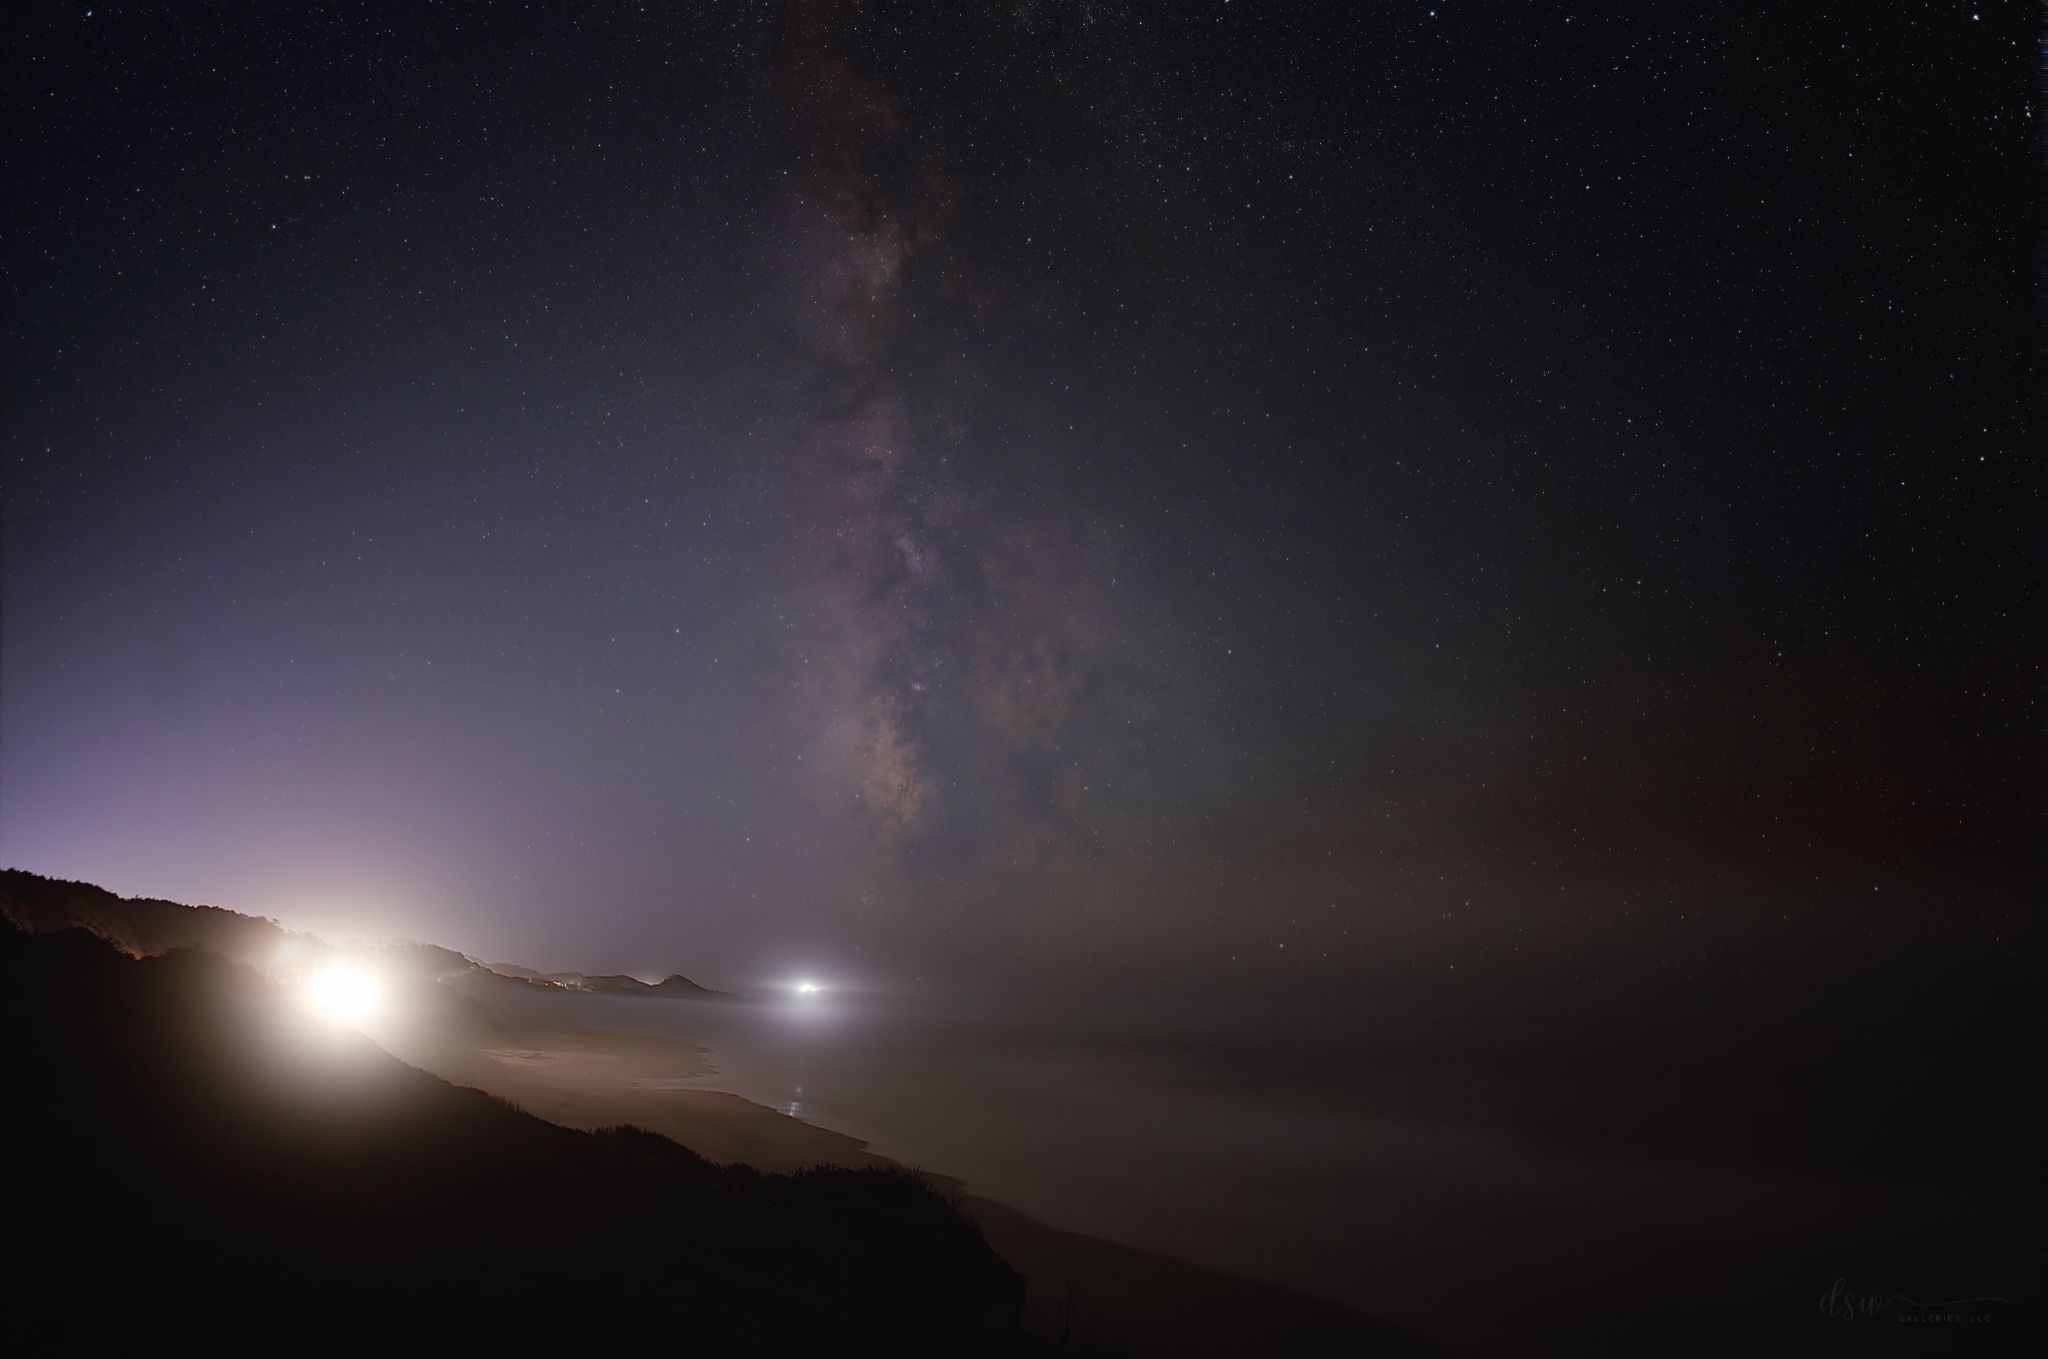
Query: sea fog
1613	1161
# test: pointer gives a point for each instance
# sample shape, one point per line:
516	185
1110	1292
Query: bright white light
344	994
808	988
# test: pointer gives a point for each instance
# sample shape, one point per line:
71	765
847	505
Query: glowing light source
344	994
808	988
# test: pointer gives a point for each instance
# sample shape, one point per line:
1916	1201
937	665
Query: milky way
1200	491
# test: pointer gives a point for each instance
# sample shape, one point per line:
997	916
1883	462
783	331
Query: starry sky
1331	497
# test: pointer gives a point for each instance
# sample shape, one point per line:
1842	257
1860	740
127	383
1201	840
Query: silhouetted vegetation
186	1148
136	925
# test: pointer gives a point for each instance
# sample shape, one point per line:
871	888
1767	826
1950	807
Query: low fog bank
1708	1131
1621	1161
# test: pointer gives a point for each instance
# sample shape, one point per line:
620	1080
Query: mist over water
1383	1165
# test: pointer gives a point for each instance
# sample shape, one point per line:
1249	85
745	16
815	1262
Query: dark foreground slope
188	1154
459	1018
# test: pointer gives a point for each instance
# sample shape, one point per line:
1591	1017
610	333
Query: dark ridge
186	1149
138	926
142	926
675	986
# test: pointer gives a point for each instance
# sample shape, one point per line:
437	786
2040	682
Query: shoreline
1079	1287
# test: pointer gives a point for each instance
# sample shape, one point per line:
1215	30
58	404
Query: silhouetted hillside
191	1142
674	986
185	1147
136	925
144	925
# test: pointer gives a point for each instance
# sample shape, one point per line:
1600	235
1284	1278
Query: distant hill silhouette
142	926
189	1154
674	986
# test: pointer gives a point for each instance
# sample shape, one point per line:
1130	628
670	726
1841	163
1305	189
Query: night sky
1432	495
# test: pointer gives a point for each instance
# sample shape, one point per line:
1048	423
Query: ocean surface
1408	1174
